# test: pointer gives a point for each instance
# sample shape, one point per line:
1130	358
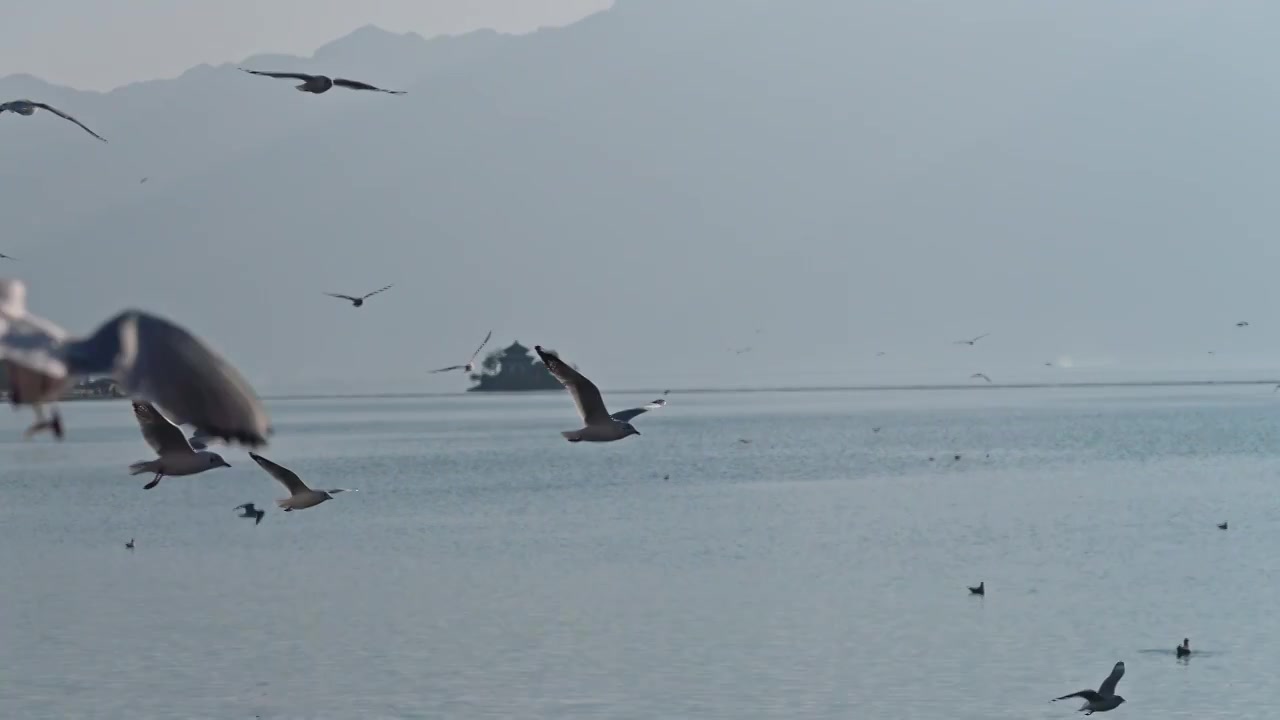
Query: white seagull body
300	497
151	358
471	364
600	425
28	108
176	454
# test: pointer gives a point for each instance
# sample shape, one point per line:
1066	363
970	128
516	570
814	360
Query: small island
512	369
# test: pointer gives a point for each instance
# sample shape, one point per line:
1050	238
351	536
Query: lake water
488	569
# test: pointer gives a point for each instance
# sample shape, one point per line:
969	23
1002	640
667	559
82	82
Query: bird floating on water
318	84
27	107
1185	648
600	426
300	497
177	457
358	301
979	589
471	364
1104	698
249	510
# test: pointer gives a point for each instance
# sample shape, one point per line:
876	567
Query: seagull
176	454
1242	323
26	107
300	497
318	84
151	358
200	440
739	351
1105	698
1222	526
471	364
880	354
129	545
358	301
876	429
1048	364
252	512
1185	648
600	425
7	257
980	375
980	589
971	342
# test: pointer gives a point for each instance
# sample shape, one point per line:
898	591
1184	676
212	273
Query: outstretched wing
447	369
357	85
287	477
625	415
1108	686
163	436
65	116
335	491
249	507
283	75
1090	695
375	292
484	342
585	393
344	297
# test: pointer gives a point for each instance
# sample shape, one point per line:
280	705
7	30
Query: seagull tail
146	466
572	435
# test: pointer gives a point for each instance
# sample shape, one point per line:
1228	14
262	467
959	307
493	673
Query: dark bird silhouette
980	589
1242	323
129	545
358	301
318	84
1104	698
26	107
471	364
249	511
1185	648
7	257
973	341
1222	526
980	375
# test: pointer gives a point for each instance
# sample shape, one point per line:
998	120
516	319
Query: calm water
488	569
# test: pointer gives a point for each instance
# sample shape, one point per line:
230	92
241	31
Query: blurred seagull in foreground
1105	697
26	107
300	497
471	364
358	301
248	510
600	425
176	454
318	84
151	358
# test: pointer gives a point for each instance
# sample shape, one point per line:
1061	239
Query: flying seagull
7	257
1222	526
980	375
318	84
249	511
358	301
979	589
151	358
300	497
129	545
26	107
1105	697
176	455
1242	323
971	342
600	425
471	364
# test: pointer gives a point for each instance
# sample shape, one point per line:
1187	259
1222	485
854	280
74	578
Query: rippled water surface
488	569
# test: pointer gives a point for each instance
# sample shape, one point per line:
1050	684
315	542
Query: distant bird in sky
979	589
1104	698
471	364
151	358
739	351
143	180
1242	323
26	107
744	441
300	497
176	454
973	341
876	429
1048	364
318	84
7	257
358	301
880	354
249	510
129	545
980	375
600	426
1222	526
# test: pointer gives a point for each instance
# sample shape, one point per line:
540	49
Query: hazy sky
97	45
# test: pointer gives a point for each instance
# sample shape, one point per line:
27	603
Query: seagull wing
484	342
335	491
357	85
249	507
287	477
585	393
344	297
625	415
65	116
1108	686
283	75
447	369
1090	695
375	292
199	440
163	436
160	362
